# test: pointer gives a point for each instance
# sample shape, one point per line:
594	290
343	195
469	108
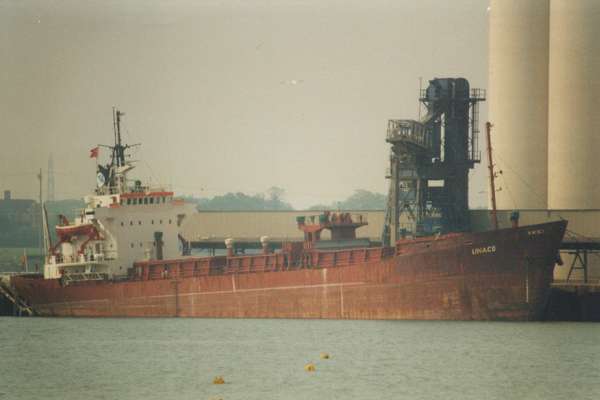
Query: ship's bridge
151	197
130	198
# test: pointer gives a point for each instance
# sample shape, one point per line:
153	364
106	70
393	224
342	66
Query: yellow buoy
325	356
310	367
218	380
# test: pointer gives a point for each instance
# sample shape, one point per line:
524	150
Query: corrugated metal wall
253	224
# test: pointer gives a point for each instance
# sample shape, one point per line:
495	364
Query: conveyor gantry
409	132
430	161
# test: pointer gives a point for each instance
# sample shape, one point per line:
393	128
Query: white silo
517	96
574	95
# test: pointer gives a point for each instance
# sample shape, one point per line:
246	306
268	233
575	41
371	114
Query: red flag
94	152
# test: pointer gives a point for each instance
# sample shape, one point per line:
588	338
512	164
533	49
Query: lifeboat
68	232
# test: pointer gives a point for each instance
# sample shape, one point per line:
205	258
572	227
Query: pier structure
10	301
580	249
576	299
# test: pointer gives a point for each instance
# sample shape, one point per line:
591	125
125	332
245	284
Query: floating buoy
310	367
325	356
218	380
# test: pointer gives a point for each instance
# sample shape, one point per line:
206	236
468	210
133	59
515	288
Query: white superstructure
123	222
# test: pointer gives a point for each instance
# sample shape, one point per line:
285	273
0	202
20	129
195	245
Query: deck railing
221	265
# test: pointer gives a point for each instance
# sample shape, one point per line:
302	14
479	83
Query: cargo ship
124	257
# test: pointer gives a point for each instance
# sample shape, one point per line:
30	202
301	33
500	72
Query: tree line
20	226
274	200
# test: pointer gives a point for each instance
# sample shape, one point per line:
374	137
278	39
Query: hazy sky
225	95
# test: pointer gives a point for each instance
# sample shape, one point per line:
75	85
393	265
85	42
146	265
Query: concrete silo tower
518	100
574	95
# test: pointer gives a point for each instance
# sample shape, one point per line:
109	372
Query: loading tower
430	161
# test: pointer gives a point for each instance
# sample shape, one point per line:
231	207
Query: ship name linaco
483	250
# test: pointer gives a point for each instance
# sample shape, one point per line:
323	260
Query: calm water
264	359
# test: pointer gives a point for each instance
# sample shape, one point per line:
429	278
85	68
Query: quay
573	301
10	302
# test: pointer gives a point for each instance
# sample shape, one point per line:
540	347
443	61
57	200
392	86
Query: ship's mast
488	129
46	232
114	174
41	226
119	149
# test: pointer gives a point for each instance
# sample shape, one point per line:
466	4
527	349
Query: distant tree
242	202
364	200
360	200
275	200
275	193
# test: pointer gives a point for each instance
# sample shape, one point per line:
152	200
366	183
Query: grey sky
226	96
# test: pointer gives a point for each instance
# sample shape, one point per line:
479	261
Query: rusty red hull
495	275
